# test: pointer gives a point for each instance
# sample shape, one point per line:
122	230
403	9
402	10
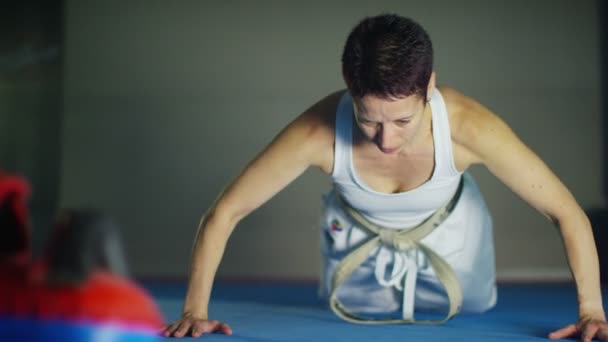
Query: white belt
403	246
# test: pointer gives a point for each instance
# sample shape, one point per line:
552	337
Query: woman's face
391	124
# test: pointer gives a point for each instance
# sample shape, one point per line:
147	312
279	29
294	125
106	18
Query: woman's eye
403	122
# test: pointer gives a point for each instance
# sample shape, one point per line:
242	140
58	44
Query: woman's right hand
195	327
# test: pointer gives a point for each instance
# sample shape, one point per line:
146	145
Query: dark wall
31	38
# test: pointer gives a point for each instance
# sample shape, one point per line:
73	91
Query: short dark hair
387	56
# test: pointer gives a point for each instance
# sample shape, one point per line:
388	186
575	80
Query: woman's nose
384	134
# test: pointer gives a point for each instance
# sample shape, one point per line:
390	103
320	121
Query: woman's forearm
207	251
583	260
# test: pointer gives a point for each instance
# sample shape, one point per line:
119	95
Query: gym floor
273	312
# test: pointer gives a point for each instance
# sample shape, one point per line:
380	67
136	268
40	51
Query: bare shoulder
472	125
319	122
467	116
321	115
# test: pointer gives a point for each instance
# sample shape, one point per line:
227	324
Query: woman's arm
307	141
492	143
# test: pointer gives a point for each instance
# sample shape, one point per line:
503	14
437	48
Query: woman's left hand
586	328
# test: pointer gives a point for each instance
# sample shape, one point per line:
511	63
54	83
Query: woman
397	148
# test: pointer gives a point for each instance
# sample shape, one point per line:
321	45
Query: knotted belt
401	240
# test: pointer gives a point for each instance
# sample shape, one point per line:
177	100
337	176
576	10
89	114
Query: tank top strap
343	139
442	137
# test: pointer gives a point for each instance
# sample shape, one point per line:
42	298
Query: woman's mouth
389	150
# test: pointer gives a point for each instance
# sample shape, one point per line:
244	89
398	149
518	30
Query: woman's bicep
281	162
519	168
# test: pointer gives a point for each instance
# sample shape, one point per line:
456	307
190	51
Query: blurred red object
103	298
15	244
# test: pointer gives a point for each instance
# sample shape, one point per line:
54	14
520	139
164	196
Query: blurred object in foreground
79	290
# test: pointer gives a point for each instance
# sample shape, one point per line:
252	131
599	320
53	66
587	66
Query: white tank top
404	209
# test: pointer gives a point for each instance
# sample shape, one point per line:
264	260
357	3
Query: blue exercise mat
292	312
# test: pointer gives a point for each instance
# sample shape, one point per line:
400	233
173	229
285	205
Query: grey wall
165	102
